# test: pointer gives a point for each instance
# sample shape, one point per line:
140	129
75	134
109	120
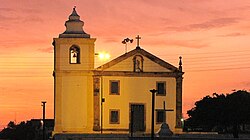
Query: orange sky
211	36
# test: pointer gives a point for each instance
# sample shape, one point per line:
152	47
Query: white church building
111	97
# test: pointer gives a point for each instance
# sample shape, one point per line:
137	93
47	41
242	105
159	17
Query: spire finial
180	64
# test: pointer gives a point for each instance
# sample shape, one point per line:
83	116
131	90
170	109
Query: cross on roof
138	40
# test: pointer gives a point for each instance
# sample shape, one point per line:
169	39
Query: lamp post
182	123
43	105
102	101
102	56
153	91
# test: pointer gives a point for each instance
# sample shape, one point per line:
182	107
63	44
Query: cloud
215	23
46	50
187	43
32	19
236	34
21	42
5	18
7	10
246	83
211	24
3	28
30	10
8	15
11	43
18	10
178	43
111	40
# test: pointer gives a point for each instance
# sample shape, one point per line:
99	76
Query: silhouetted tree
22	131
11	125
220	111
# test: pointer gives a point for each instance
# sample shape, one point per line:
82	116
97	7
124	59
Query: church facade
114	97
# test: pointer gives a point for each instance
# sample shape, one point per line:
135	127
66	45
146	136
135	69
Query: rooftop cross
138	40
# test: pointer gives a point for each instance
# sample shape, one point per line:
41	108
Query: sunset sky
212	36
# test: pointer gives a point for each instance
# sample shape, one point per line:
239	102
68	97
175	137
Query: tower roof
74	27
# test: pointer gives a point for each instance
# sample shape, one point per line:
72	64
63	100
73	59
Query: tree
21	131
220	111
11	125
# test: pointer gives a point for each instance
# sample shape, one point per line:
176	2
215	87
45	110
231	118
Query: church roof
142	52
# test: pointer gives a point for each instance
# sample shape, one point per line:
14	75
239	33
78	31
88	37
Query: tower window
74	55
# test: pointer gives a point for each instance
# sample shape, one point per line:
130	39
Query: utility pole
153	91
43	105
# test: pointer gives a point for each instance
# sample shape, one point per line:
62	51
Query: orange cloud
211	24
232	35
46	50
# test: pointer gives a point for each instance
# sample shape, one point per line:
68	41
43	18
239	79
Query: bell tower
73	71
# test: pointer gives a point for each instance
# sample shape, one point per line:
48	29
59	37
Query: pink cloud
232	35
196	43
19	15
46	50
32	19
211	24
246	84
215	23
5	18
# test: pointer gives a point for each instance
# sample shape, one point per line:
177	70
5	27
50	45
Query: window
74	55
160	116
115	87
161	88
114	116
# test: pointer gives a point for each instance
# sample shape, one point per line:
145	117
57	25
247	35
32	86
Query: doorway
137	117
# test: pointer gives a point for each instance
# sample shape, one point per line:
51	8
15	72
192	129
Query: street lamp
103	55
153	91
43	105
182	123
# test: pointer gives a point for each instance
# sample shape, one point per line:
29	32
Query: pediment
138	60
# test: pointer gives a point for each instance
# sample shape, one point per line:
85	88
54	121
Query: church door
137	115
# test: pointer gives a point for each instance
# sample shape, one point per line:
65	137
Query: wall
136	90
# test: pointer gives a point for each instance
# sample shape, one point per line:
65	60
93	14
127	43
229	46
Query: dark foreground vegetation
30	130
223	113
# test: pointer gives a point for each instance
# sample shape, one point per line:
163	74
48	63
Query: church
114	97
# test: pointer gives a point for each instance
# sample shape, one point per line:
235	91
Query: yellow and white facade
115	95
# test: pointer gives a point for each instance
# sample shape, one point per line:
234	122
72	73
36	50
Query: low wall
147	137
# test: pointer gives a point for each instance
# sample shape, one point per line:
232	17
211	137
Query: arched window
138	63
74	55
